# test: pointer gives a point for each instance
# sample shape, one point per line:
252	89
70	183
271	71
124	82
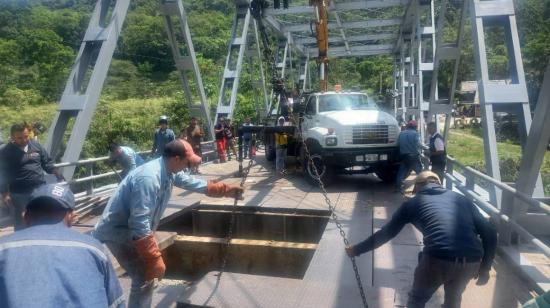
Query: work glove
218	190
482	278
149	251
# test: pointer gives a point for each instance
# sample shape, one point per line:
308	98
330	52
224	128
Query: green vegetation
131	121
39	41
468	150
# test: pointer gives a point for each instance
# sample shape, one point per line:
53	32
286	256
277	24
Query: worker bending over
49	265
134	211
453	253
125	156
409	153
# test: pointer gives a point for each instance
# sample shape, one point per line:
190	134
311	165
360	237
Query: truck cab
346	132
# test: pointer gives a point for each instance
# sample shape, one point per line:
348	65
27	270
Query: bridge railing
466	182
94	188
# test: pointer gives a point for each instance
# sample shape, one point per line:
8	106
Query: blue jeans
280	155
130	261
19	202
408	162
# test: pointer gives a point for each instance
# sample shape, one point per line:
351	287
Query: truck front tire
326	172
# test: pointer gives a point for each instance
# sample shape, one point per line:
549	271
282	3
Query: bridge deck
363	204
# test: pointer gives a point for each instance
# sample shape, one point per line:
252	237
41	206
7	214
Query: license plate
371	157
359	158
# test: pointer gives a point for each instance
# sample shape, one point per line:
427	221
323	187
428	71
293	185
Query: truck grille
369	134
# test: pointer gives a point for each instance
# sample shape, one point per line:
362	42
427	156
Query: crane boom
321	32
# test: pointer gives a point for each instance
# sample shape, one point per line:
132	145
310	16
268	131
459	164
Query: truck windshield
342	102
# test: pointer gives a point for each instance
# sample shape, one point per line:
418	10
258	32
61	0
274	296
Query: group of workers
60	267
46	264
226	142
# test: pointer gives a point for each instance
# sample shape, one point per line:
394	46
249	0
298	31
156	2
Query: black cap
59	196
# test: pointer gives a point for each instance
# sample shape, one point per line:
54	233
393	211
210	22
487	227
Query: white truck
345	132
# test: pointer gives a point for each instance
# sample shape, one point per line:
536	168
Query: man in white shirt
438	153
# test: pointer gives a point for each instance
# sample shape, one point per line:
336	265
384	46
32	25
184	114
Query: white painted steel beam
346	25
353	38
80	98
342	31
366	50
338	7
537	142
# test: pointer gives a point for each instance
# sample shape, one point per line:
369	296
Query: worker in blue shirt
49	265
163	136
409	152
125	156
134	211
453	253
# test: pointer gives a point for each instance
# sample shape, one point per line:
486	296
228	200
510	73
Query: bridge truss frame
408	31
85	82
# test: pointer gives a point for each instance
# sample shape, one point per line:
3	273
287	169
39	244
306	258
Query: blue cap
61	196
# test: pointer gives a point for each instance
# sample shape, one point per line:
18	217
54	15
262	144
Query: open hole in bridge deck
265	241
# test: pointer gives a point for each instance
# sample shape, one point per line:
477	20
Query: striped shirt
51	265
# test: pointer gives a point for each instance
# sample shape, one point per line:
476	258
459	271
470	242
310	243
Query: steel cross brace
85	82
188	63
233	63
80	97
450	52
497	97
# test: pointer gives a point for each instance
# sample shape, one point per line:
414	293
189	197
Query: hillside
39	41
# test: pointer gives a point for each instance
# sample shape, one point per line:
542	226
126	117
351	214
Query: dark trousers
431	273
438	167
408	163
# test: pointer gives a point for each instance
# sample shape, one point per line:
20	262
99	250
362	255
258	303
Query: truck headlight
383	156
331	141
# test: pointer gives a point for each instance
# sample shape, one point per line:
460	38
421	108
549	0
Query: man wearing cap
163	135
125	156
409	152
134	211
453	252
49	265
23	163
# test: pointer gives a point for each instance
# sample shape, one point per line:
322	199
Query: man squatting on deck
134	211
49	265
453	253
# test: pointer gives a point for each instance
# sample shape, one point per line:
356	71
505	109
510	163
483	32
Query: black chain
232	221
230	232
332	210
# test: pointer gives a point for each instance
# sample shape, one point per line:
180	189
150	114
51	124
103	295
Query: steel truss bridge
410	31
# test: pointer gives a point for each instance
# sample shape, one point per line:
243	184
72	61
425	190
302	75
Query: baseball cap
53	194
425	177
182	148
